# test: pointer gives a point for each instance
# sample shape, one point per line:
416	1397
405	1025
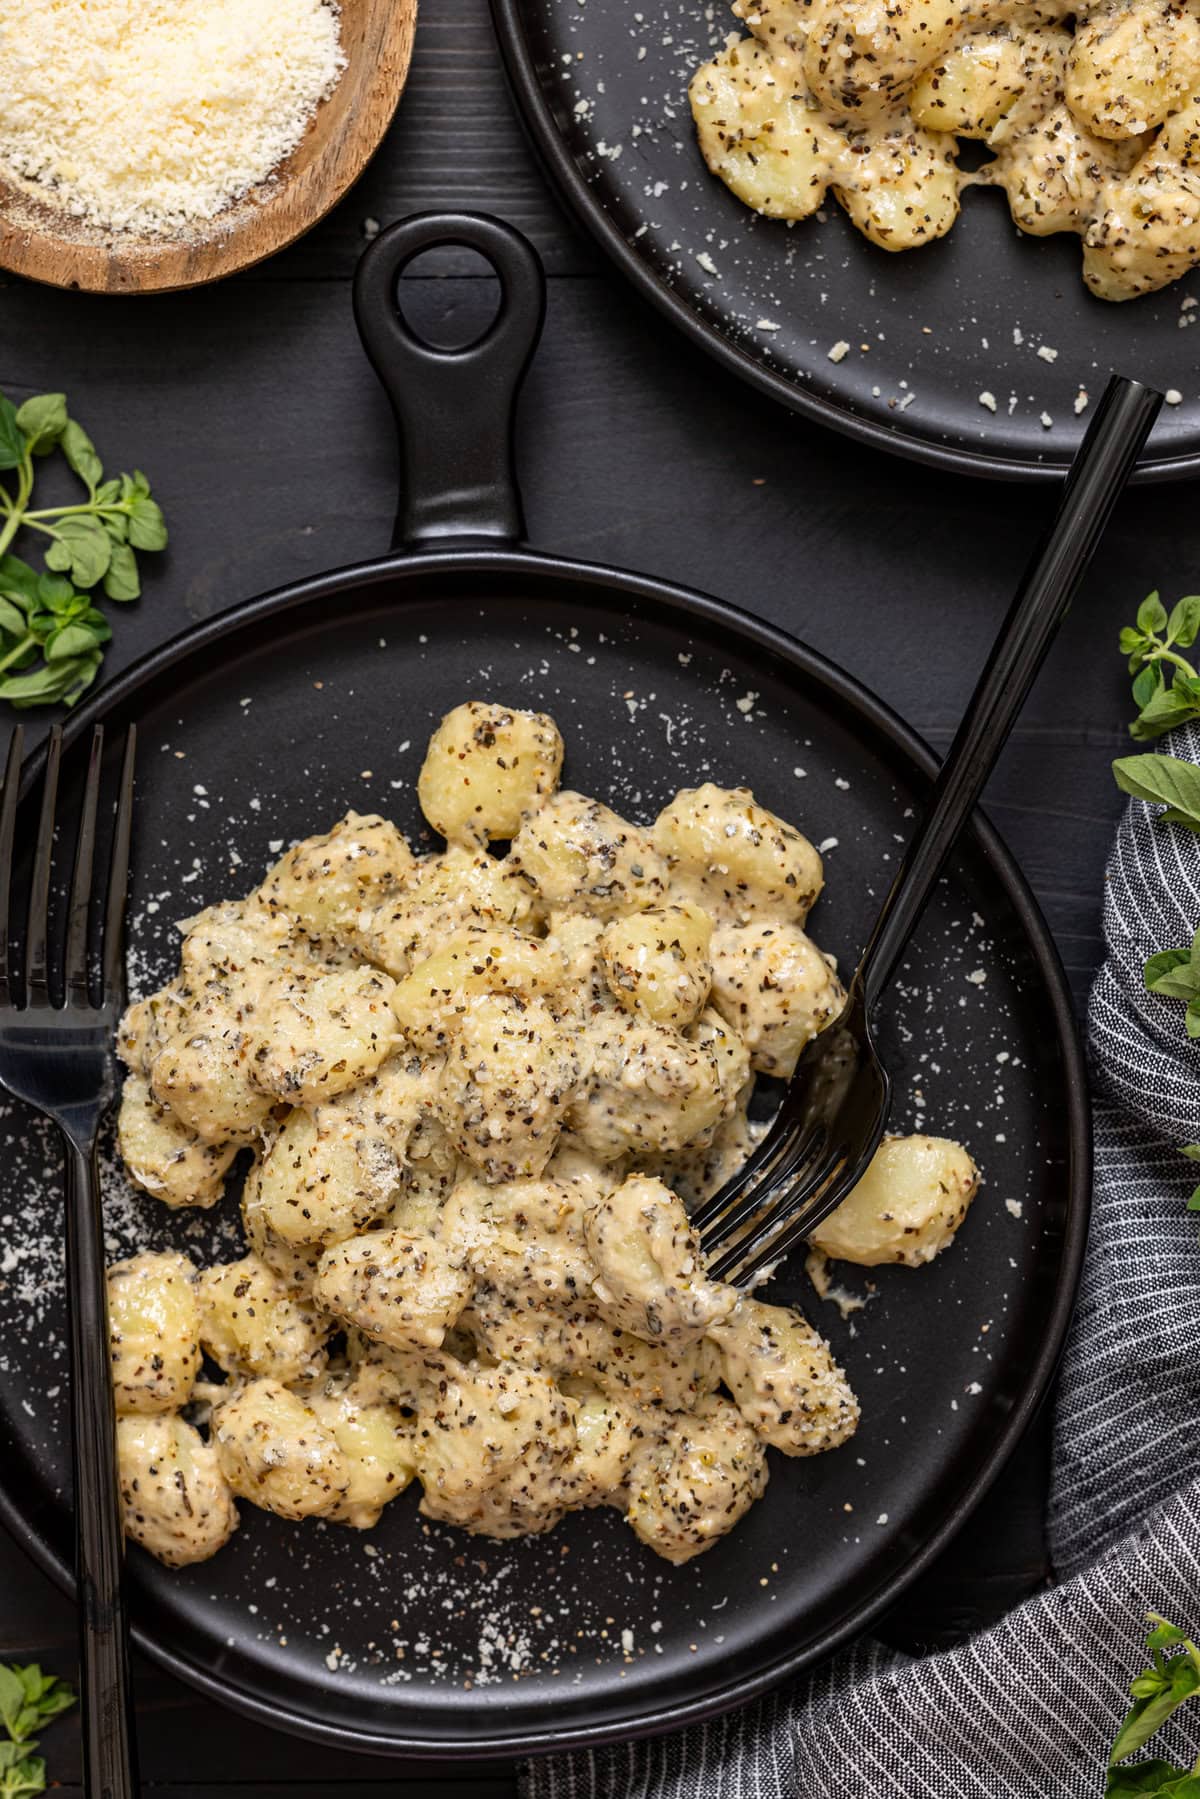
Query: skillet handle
454	408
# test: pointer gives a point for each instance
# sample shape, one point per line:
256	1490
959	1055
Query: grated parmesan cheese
155	115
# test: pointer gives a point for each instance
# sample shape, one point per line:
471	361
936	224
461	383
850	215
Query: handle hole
449	296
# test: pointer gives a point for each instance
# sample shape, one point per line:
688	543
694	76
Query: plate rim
864	707
570	186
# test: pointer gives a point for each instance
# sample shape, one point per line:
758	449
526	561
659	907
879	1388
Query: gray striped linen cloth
1028	1709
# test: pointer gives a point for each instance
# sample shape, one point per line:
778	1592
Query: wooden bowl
46	244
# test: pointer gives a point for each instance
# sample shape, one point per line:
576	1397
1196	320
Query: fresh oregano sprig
1175	974
52	633
1166	687
1173	783
29	1700
1157	1692
1167	781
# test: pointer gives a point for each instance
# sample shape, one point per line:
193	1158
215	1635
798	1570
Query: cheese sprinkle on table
155	115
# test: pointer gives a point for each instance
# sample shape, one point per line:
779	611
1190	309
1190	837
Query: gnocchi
868	102
251	1325
486	770
906	1208
175	1500
482	1091
154	1331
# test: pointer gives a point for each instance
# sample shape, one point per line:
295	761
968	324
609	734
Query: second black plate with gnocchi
419	1638
981	351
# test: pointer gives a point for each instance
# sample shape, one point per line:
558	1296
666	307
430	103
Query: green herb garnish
52	634
1158	1692
29	1700
1166	687
1163	780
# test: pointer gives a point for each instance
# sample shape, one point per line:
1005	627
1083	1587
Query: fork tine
36	966
785	1169
774	1247
8	825
118	880
798	1179
81	882
757	1164
778	1231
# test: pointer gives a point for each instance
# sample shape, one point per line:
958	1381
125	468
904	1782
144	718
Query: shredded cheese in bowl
153	116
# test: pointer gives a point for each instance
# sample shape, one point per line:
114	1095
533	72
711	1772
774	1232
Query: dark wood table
270	445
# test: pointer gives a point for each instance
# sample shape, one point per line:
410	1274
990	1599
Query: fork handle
109	1754
1102	465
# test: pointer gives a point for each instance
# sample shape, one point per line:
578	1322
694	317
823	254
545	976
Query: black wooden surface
254	412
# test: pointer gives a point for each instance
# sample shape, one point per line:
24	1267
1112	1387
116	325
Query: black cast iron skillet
603	93
266	723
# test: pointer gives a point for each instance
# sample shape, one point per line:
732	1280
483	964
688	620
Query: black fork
58	1021
835	1109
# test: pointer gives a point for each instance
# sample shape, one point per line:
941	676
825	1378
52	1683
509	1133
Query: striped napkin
1029	1708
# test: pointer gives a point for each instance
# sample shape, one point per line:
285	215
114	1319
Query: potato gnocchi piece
250	1324
776	989
138	1038
530	1301
784	1379
448	892
657	962
671	1377
574	1167
696	1174
577	938
274	1451
551	1340
153	1328
391	1377
201	1074
651	1090
397	1289
329	1174
973	84
162	1156
759	130
740	860
903	190
1147	233
235	945
607	1436
294	1263
692	1482
547	1212
579	856
860	57
1132	64
649	1267
175	1501
494	1451
321	1036
479	961
907	1207
376	1441
328	881
486	769
510	1075
428	1182
1049	172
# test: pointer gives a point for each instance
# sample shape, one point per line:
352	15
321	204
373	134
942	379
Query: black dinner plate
984	312
265	724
